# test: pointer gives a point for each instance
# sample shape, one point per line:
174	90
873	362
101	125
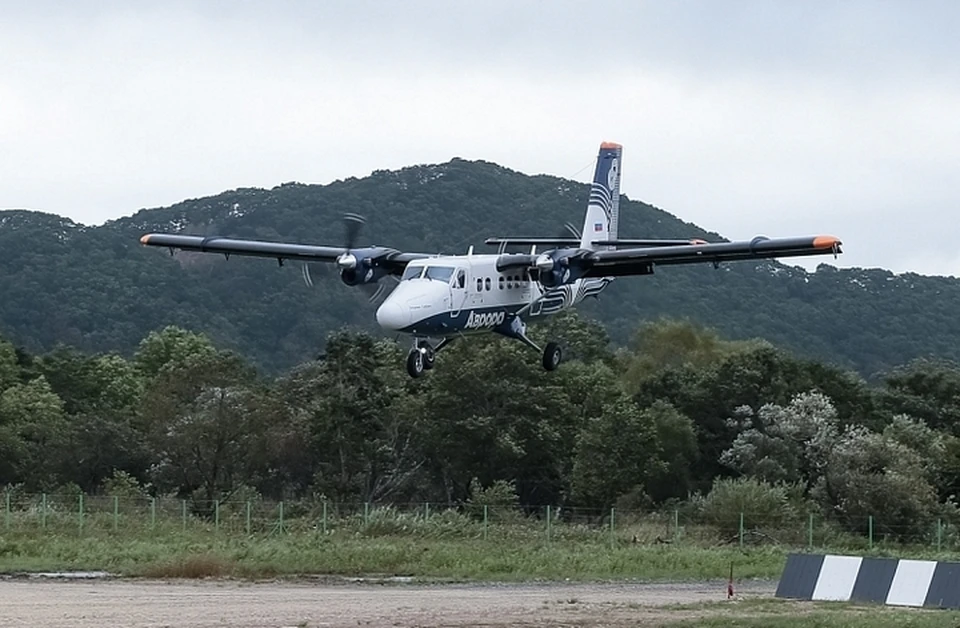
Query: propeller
569	229
353	224
347	261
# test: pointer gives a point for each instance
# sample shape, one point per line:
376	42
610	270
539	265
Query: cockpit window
440	273
412	272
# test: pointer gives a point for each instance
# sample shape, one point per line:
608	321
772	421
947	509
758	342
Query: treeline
681	418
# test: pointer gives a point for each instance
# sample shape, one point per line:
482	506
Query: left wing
390	260
641	260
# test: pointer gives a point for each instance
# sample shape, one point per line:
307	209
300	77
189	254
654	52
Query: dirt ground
189	604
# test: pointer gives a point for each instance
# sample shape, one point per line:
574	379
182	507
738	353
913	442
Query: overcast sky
780	118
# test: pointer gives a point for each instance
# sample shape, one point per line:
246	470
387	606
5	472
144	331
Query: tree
882	475
784	444
926	389
617	452
490	413
205	419
171	347
362	423
9	370
31	435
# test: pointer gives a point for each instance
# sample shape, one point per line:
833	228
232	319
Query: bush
760	503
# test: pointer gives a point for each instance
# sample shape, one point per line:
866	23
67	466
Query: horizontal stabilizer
528	241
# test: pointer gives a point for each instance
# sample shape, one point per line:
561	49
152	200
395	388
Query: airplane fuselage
455	295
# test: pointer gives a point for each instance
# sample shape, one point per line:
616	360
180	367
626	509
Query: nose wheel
416	364
423	356
552	354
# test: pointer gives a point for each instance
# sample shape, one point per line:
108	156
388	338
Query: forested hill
98	289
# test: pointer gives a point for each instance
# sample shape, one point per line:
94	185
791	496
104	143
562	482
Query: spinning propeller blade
353	224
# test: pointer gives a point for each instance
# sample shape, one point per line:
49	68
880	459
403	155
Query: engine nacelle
356	269
555	269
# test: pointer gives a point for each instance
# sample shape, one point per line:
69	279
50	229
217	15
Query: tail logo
612	174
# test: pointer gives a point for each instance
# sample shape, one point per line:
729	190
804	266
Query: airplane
439	298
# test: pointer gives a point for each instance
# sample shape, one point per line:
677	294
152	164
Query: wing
641	260
391	260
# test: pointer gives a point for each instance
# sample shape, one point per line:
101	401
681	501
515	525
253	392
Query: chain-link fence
80	515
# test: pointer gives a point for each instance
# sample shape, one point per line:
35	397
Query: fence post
81	513
741	529
810	532
548	523
281	518
116	512
43	511
6	509
676	525
366	513
183	513
870	530
613	514
248	517
426	511
216	515
324	516
939	534
485	522
153	513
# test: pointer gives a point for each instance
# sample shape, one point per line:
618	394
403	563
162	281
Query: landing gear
423	356
552	354
516	328
415	363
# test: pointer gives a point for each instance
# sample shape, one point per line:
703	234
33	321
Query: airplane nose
393	316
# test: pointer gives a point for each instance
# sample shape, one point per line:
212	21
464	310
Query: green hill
98	289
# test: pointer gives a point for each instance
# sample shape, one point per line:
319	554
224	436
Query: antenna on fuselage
470	250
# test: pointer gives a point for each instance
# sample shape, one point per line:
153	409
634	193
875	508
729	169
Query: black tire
415	363
552	355
429	358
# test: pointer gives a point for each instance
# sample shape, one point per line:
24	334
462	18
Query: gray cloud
744	117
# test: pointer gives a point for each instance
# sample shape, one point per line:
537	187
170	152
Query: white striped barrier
893	581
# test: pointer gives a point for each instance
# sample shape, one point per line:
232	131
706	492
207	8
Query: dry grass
194	567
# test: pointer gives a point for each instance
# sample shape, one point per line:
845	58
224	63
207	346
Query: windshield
440	273
412	272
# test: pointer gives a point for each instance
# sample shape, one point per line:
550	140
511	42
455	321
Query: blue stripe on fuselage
446	324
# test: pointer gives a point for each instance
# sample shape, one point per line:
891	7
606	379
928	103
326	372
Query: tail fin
603	209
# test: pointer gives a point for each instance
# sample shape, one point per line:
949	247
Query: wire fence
81	515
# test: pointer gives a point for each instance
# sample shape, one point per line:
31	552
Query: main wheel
415	363
552	356
429	357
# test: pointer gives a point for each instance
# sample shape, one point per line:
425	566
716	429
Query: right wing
640	260
391	260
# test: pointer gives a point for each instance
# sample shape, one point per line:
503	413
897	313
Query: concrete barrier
893	581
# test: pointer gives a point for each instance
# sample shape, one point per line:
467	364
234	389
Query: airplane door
458	291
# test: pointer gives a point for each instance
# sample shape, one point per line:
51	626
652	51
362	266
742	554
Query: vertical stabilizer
603	208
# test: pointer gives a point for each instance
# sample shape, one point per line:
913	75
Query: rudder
602	221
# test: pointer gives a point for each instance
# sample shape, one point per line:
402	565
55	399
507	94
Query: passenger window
488	283
479	284
500	282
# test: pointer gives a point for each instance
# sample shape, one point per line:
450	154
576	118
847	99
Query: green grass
771	613
163	540
314	553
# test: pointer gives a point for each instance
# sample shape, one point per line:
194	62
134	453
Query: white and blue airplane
439	298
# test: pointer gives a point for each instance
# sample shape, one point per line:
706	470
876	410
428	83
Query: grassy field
162	541
202	554
772	613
